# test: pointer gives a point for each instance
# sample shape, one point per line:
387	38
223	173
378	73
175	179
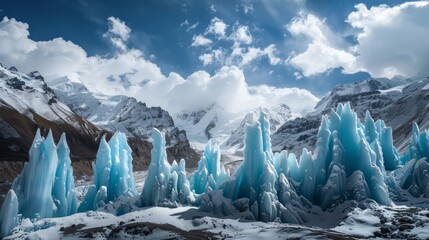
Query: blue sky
269	41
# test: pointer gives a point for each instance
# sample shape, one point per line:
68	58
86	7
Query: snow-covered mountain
28	103
227	129
116	113
383	98
277	116
209	122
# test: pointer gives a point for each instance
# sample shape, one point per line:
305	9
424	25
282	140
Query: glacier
63	192
113	173
165	185
353	160
210	173
9	214
414	176
45	188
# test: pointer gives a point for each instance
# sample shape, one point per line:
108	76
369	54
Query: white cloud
217	27
244	56
200	40
129	73
390	41
248	8
321	55
206	58
212	8
49	57
118	33
393	40
241	35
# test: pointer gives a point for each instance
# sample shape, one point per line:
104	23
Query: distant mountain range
28	103
398	101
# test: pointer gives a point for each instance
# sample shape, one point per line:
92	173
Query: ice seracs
414	176
9	214
63	191
210	173
113	173
165	185
265	189
34	185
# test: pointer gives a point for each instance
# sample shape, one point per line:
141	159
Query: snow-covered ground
351	220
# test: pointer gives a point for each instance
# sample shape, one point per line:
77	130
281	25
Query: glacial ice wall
113	173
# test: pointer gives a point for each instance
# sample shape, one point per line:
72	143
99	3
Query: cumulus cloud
49	57
244	56
321	54
393	40
241	35
200	40
129	73
217	27
241	51
118	33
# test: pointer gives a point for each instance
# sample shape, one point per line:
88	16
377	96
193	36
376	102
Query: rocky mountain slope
27	103
117	113
383	98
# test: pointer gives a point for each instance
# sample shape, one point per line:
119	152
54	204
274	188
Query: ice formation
34	186
414	176
63	190
45	188
349	162
113	173
265	190
9	214
210	173
165	185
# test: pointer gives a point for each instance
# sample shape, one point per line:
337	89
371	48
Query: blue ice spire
63	190
155	189
210	173
9	214
113	173
34	185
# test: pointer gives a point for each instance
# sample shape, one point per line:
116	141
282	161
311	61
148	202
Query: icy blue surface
63	190
113	173
165	185
347	150
269	194
9	214
34	185
414	176
210	173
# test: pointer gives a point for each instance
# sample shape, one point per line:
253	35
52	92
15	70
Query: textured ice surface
265	189
63	191
9	214
414	176
113	173
165	185
348	162
34	185
210	173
